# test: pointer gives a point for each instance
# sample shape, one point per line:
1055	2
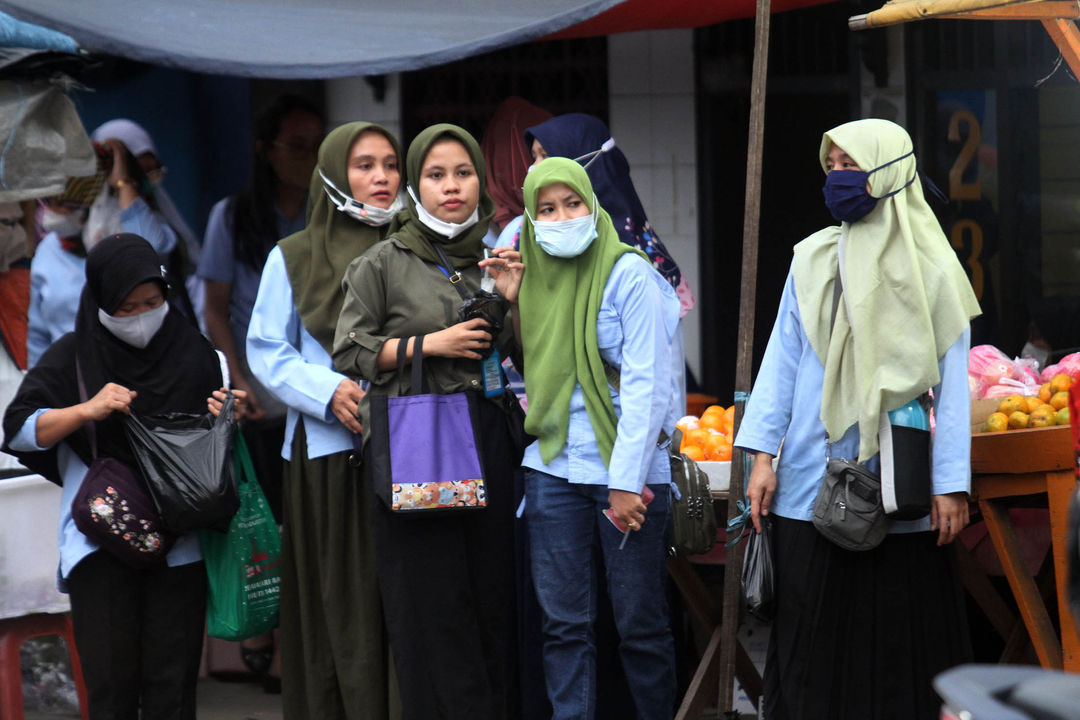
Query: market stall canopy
336	38
302	38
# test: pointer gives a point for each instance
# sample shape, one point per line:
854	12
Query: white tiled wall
651	84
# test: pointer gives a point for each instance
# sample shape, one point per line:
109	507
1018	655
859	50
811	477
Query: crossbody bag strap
838	288
456	278
91	430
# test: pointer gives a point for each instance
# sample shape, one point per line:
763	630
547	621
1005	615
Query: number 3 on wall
956	239
958	189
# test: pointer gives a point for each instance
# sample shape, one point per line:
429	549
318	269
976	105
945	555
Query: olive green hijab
906	299
559	301
467	248
316	257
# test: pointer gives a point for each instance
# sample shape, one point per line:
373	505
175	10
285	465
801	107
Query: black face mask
846	195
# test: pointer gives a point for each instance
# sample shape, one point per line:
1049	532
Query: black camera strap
456	279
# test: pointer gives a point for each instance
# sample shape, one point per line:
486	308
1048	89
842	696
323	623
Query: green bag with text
243	565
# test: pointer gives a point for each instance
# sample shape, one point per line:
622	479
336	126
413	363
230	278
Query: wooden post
747	300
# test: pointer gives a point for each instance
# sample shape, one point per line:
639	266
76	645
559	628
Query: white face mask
63	224
565	238
589	158
135	330
367	214
449	229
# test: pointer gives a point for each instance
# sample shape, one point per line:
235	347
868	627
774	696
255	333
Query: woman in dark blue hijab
587	139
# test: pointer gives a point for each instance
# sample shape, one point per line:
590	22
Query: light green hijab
558	302
467	248
316	257
905	299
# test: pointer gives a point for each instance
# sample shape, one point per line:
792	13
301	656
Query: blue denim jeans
565	523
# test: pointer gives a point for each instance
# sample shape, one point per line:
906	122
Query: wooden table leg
1032	609
703	685
983	592
1060	487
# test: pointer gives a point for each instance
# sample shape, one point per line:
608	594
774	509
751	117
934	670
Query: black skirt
861	635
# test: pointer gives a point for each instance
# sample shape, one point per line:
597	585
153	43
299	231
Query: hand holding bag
113	508
425	453
187	462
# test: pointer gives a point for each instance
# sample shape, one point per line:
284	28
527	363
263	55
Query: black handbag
848	510
692	514
113	508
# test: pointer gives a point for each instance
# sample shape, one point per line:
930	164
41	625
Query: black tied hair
250	212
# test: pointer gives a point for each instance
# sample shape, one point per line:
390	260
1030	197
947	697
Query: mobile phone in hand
647	496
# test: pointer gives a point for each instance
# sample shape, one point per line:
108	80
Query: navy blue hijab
581	137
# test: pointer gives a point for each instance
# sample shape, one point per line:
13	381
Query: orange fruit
729	414
697	436
717	447
1042	416
729	428
1060	400
712	421
1061	417
694	452
997	422
713	410
1044	392
1060	382
1030	404
1018	420
1011	404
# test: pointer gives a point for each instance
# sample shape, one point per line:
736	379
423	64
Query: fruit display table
1015	467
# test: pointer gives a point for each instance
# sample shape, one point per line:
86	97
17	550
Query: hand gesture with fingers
465	340
507	269
109	399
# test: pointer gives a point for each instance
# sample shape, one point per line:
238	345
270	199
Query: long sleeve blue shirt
784	408
292	365
635	328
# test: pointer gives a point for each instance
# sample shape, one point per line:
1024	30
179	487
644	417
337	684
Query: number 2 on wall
958	189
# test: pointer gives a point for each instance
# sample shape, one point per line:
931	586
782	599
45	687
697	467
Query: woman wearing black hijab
139	632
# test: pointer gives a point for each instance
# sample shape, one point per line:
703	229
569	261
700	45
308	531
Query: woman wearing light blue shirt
875	312
592	308
334	657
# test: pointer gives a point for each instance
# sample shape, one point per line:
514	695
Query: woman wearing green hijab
592	308
862	634
447	580
334	655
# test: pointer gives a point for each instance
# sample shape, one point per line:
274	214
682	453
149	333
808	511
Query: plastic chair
13	633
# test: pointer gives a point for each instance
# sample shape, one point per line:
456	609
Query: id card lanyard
491	367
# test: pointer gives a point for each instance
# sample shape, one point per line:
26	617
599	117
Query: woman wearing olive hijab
447	580
862	634
333	650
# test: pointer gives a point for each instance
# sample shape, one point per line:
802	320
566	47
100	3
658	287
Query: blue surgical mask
565	238
846	195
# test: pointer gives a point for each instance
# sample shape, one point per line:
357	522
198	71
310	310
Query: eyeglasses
295	148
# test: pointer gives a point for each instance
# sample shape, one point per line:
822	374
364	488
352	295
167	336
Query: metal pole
747	300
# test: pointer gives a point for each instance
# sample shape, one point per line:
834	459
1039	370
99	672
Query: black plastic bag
187	462
757	578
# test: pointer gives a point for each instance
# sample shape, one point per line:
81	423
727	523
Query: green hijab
558	302
906	299
316	257
467	248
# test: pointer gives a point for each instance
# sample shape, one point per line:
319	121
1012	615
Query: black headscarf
175	372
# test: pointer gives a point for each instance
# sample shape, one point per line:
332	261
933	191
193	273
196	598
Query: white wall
651	85
349	99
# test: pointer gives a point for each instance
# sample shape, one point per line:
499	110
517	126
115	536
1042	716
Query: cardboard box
980	410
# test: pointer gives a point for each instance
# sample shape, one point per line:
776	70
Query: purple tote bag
425	454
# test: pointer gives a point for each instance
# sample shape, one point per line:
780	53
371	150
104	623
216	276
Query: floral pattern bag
114	509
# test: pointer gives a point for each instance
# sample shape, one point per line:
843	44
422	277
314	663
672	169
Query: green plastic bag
243	565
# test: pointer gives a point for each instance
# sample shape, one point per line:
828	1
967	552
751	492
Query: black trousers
447	583
139	636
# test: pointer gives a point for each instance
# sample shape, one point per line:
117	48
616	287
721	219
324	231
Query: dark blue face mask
846	195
